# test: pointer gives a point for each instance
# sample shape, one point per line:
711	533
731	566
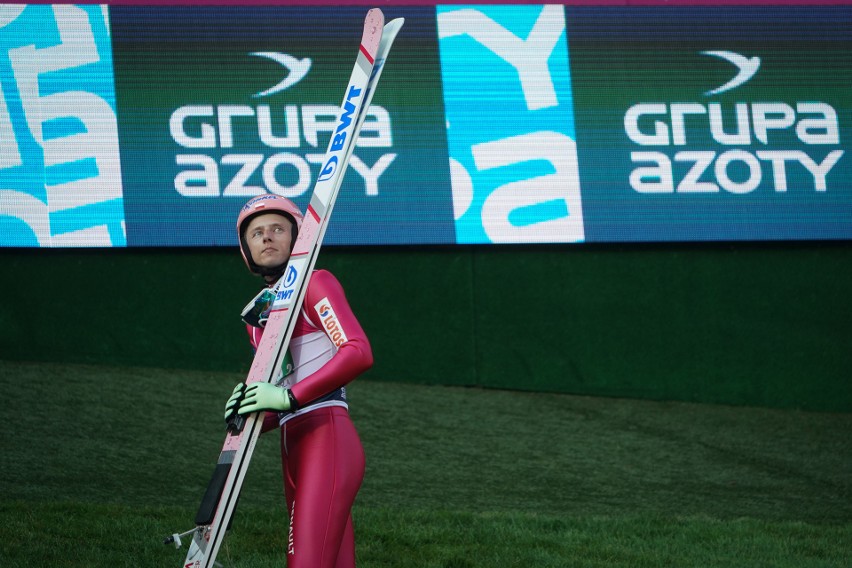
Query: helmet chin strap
271	273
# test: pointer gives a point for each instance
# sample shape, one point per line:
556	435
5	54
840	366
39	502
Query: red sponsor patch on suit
330	323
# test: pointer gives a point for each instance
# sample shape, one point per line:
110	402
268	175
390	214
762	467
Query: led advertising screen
702	123
510	126
60	171
151	125
246	104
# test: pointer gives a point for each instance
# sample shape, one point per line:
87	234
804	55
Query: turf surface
105	462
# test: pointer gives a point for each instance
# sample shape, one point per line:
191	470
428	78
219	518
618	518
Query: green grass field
100	464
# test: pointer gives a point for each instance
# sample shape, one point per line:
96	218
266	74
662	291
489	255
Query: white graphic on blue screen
746	69
510	124
60	176
212	127
297	69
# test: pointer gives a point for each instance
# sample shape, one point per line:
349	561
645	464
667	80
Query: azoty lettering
759	140
251	149
330	323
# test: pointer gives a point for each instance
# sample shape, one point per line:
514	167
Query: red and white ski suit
321	453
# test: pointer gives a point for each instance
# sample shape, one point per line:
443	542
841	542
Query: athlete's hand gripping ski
256	398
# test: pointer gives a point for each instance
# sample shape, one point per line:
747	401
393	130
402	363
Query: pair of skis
220	499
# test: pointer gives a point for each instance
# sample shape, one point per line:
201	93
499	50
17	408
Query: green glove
234	402
264	396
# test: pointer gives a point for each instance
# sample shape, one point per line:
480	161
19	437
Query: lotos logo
330	323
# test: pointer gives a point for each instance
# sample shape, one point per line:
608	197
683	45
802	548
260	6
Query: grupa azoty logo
753	143
266	145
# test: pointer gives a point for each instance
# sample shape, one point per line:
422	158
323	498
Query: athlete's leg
346	554
289	488
326	462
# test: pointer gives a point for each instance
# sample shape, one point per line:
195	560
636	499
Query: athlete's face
269	237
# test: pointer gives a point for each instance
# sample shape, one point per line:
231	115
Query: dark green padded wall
758	324
742	325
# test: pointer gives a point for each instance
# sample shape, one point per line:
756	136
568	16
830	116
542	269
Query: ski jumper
321	453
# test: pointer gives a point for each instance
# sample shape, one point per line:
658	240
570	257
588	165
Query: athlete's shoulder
324	286
324	279
322	273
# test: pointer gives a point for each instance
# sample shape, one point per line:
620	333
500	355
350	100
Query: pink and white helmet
265	204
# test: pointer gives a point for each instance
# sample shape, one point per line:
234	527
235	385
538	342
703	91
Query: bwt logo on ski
243	150
292	275
330	322
769	141
286	292
340	135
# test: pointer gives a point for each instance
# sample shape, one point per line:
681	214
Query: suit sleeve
327	308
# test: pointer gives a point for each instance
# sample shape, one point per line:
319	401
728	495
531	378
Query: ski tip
376	13
392	28
373	28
